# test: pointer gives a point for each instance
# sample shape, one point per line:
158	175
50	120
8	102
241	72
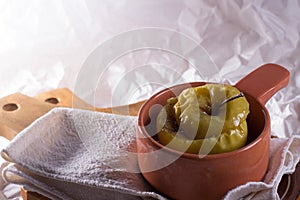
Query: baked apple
208	119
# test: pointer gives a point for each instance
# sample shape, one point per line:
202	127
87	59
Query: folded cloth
7	190
76	154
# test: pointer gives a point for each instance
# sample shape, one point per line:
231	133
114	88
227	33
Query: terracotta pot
181	175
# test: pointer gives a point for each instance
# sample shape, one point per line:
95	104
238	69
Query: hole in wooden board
52	100
10	107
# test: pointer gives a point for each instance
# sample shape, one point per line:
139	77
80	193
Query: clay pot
179	175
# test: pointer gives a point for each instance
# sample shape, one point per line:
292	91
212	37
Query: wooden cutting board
17	111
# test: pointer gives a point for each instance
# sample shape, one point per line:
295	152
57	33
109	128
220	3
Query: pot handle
264	82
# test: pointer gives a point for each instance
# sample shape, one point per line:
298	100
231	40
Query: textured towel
76	154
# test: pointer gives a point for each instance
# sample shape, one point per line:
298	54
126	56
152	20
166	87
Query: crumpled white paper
45	43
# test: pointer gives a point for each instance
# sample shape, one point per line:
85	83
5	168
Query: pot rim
141	128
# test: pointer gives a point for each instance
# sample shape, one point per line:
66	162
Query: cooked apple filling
207	119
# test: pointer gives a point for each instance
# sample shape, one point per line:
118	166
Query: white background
43	44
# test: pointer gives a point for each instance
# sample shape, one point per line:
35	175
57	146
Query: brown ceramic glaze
211	176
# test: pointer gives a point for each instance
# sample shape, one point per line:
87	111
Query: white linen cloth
51	158
7	191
